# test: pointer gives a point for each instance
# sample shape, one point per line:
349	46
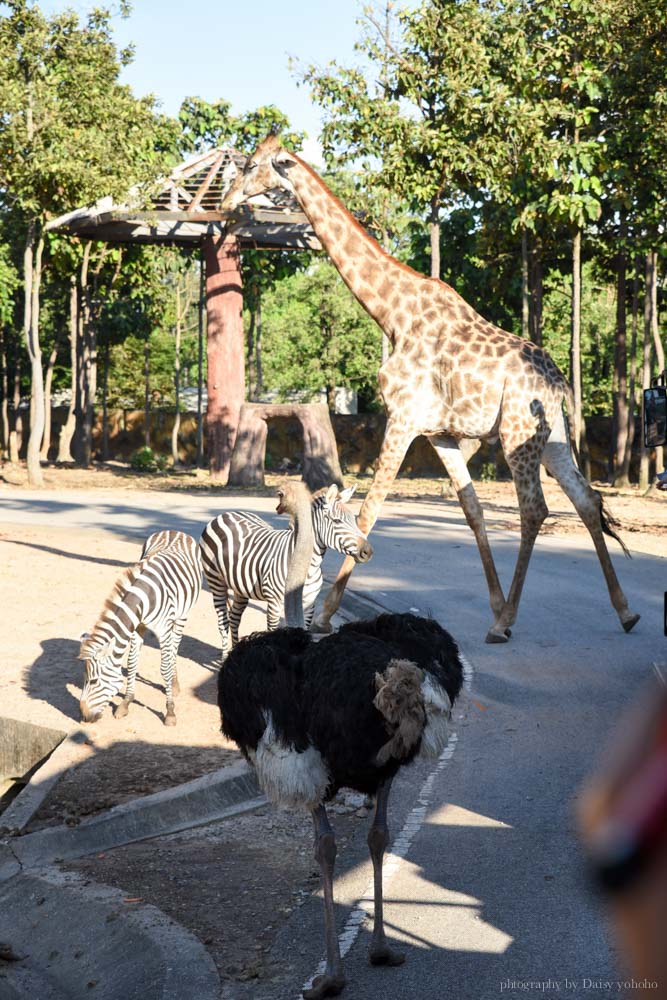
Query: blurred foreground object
623	821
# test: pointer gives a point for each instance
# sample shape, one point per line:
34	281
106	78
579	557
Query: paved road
491	895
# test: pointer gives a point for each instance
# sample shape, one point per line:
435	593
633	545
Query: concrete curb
213	797
67	754
75	939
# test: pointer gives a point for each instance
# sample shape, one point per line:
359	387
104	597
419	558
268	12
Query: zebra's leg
239	605
136	642
167	671
176	636
220	604
273	610
308	613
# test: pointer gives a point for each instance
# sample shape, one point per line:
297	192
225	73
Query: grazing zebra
156	594
244	555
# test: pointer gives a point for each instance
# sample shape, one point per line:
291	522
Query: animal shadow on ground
54	669
82	557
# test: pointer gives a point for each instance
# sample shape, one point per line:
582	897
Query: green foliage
146	460
316	336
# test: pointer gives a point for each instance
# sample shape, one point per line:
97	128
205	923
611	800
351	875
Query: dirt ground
58	577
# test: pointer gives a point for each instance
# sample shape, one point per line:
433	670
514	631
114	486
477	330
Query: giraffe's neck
369	272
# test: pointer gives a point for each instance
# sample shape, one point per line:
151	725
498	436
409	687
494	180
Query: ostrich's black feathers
263	674
422	640
321	694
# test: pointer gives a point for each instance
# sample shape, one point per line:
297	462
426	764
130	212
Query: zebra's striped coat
246	558
156	594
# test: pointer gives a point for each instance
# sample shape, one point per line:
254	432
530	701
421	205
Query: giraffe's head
267	168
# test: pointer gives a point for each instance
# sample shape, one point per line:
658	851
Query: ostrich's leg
379	952
332	982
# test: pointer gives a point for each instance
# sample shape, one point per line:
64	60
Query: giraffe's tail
608	522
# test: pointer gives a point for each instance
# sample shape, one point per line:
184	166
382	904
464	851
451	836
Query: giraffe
451	376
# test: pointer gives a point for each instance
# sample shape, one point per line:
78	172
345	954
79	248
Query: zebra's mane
113	601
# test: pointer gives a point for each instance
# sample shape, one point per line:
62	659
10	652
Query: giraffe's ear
283	162
347	494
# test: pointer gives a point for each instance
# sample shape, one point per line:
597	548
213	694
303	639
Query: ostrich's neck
369	272
300	560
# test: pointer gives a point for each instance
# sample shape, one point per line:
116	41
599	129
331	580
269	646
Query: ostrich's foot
382	954
325	986
497	633
630	622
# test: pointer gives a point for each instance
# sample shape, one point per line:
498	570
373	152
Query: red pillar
224	349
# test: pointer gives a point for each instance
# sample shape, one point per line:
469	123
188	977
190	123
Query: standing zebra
243	554
157	594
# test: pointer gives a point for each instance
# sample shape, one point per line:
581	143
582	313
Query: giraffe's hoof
384	955
325	986
494	635
630	622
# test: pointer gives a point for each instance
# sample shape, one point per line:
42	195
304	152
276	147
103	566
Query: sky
237	51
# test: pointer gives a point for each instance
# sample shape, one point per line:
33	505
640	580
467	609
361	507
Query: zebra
245	557
156	594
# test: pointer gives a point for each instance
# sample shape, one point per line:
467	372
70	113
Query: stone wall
358	436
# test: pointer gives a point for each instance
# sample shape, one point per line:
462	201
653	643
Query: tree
68	131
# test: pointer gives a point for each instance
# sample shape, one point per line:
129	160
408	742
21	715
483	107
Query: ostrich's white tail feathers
400	700
438	713
290	777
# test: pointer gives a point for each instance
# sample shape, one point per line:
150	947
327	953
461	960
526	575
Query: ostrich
347	711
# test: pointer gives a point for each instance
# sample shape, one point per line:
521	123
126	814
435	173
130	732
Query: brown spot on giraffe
451	375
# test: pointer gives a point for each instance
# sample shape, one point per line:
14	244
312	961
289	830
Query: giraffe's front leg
396	441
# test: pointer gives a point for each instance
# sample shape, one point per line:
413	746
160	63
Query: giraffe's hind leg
524	463
557	459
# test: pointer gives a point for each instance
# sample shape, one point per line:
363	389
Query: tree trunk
575	334
620	379
623	477
16	431
250	357
434	231
82	442
32	264
647	350
536	291
147	392
4	388
46	440
652	264
525	291
200	367
105	403
67	430
177	381
259	375
226	356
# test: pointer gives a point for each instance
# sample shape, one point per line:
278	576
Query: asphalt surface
491	898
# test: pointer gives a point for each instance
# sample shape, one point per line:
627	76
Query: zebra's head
103	676
336	527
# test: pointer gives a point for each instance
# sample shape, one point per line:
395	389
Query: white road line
395	859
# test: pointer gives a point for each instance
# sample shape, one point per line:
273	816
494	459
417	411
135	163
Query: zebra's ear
331	494
347	494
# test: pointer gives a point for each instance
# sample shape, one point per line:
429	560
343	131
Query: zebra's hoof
121	710
170	718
